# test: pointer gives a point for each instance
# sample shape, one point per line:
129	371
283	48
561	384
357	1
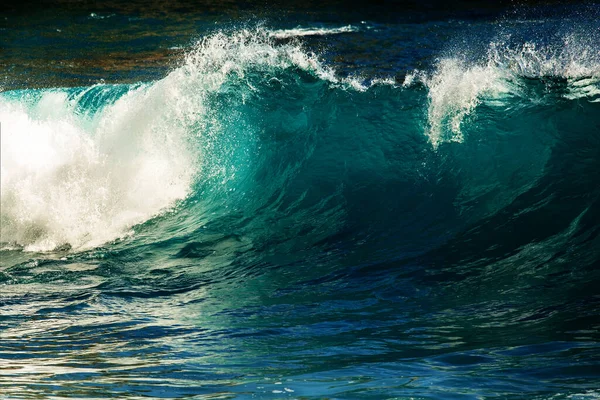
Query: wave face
256	224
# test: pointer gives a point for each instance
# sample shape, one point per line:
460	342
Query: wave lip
458	85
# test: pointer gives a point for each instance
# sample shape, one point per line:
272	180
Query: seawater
289	211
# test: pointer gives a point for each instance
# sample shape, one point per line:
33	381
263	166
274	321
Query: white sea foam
454	91
457	86
222	54
83	181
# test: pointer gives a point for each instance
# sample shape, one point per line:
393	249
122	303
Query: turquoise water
349	209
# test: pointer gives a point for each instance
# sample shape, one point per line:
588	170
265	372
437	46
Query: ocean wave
85	166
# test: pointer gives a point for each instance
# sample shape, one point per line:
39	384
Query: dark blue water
306	205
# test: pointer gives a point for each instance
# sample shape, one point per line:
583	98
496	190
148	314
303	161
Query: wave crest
459	84
80	167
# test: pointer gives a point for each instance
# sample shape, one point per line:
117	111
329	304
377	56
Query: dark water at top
330	200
